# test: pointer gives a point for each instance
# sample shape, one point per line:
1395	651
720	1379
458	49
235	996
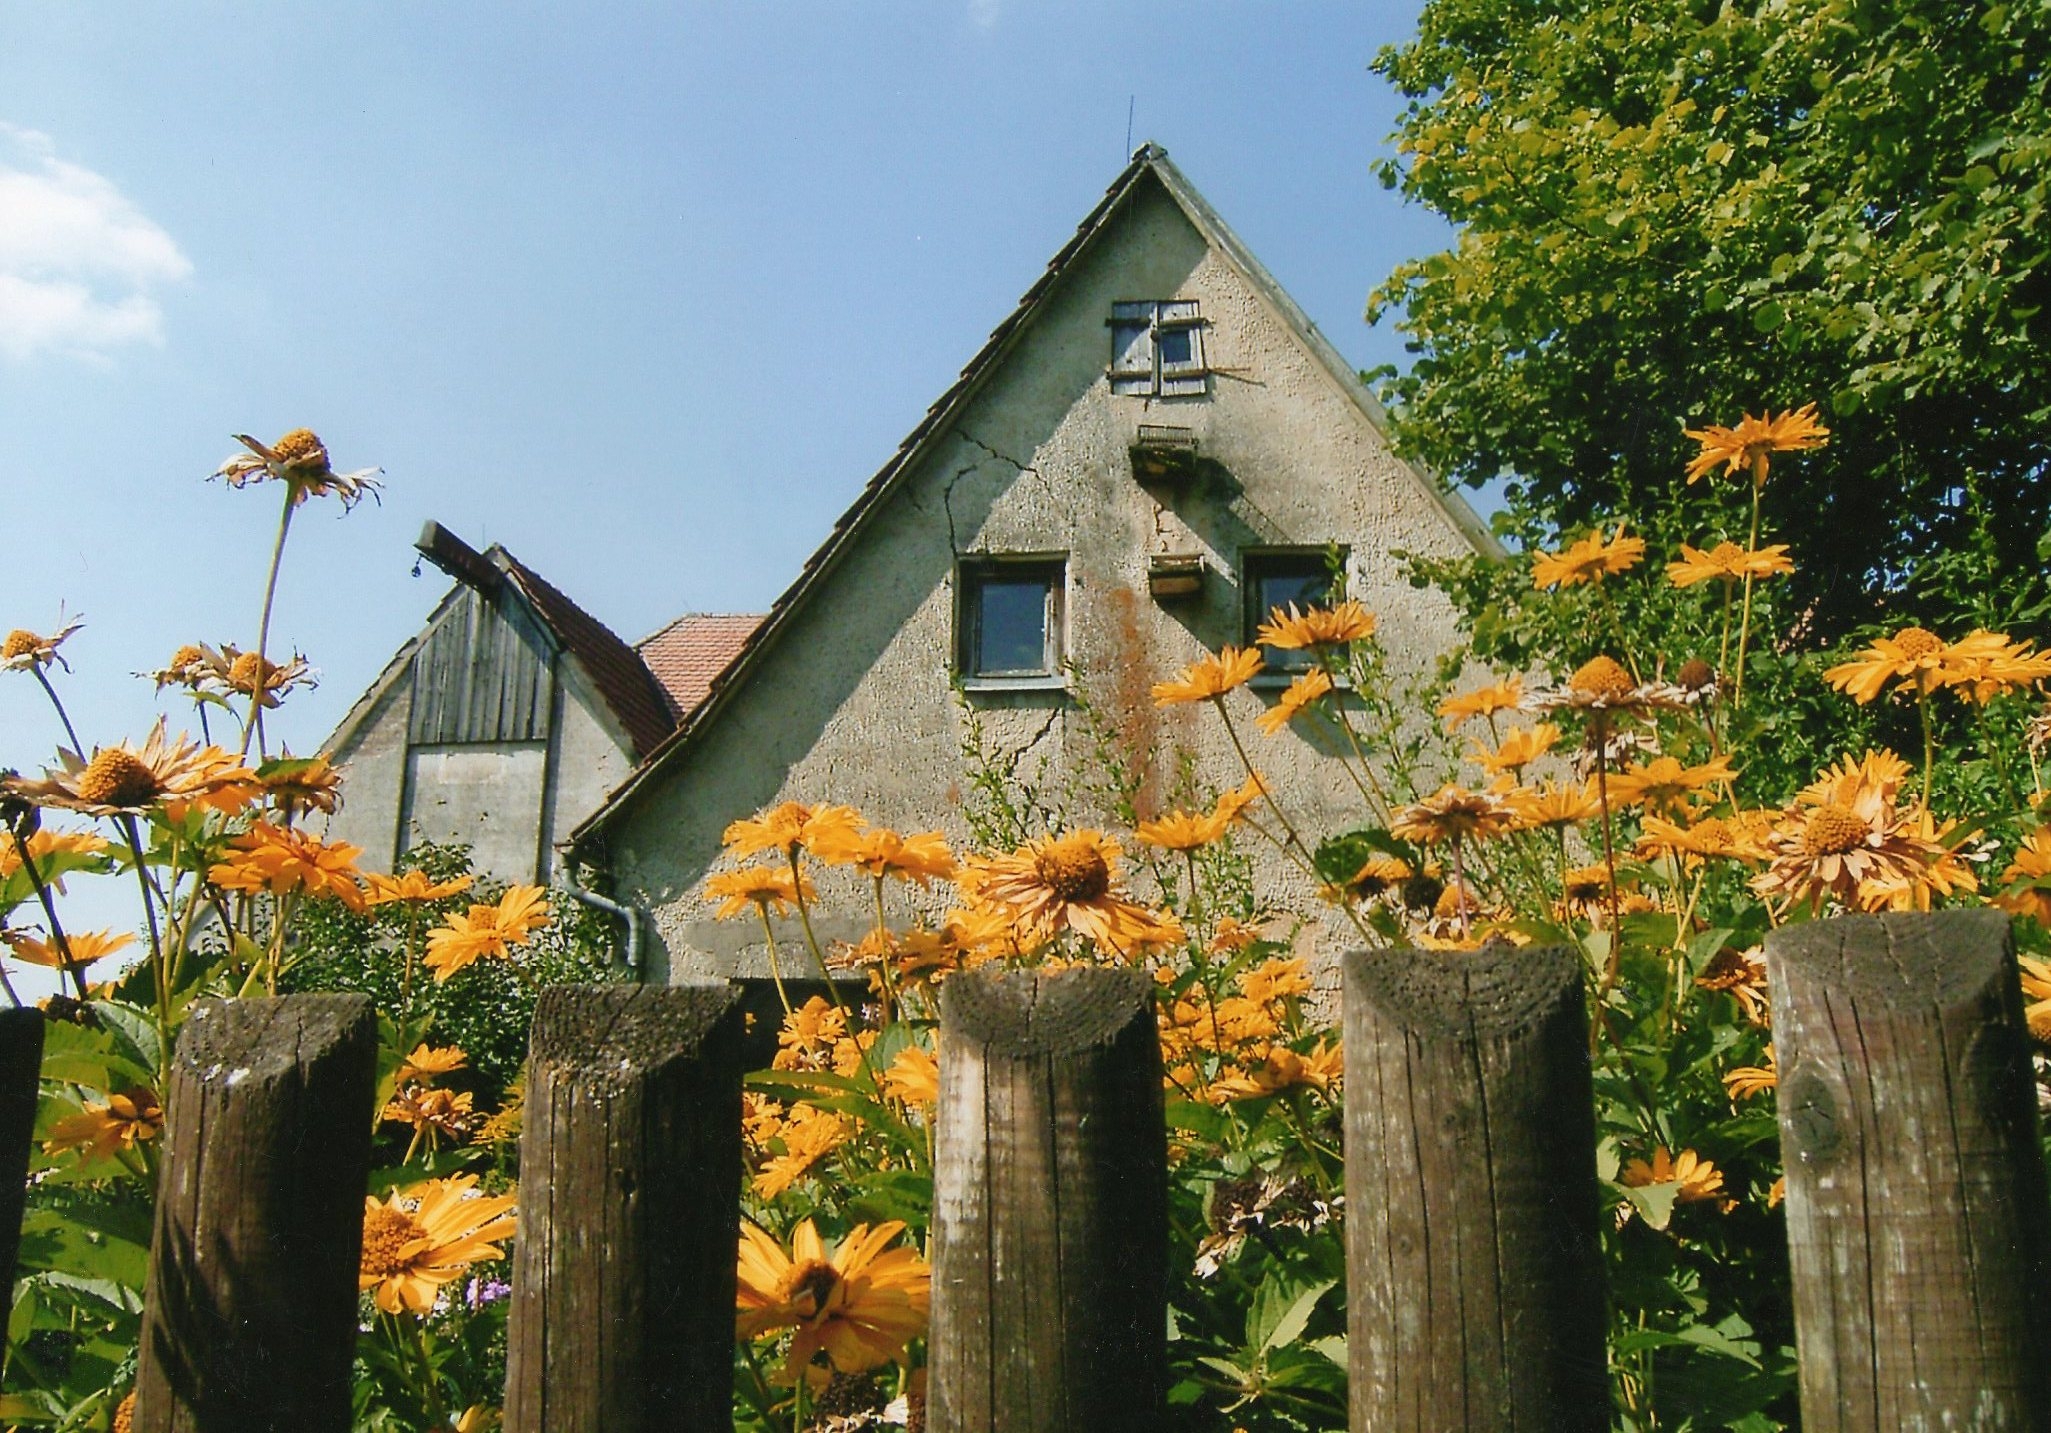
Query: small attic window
1157	348
1009	621
1284	577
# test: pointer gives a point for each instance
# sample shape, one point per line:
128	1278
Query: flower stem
254	726
1745	620
57	936
63	716
149	911
775	974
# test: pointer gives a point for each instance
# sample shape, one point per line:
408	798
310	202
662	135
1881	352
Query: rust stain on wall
1132	711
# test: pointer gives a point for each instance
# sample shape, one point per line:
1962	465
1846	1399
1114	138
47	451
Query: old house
1152	450
508	718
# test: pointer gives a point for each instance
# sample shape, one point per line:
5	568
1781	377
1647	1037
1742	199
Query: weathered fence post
249	1322
21	1062
1473	1257
1049	1206
630	1177
1917	1216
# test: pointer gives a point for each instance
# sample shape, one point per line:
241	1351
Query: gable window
1009	622
1157	347
1278	578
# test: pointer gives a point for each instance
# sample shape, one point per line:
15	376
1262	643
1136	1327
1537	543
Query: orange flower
1744	1081
1518	750
84	947
413	886
1729	563
1697	1177
100	1131
1506	695
1282	1068
54	853
1453	814
764	886
1318	627
860	1306
1914	656
1210	678
1750	443
1300	694
283	861
427	1061
1554	805
487	931
808	1137
425	1236
791	827
127	780
913	1077
2026	884
1589	560
1070	882
1663	781
877	853
1181	831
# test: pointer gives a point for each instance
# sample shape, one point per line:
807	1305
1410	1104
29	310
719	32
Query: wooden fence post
1049	1206
630	1178
21	1062
249	1322
1473	1256
1916	1207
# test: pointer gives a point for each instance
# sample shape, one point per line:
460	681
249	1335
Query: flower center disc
1603	677
1917	643
1073	872
19	644
117	778
814	1284
386	1234
303	447
1832	831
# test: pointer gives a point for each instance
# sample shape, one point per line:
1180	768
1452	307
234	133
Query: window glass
1178	347
1010	618
1277	579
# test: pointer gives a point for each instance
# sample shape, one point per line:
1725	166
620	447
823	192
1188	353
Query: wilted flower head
24	651
299	460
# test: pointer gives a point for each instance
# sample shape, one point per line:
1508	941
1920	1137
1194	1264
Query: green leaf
1654	1202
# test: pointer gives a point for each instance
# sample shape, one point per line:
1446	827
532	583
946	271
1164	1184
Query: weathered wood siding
481	675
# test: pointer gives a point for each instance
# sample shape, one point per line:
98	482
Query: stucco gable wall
854	704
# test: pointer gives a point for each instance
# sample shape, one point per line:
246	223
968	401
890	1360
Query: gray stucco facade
849	691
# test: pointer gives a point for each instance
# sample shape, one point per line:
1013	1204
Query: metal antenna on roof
1130	101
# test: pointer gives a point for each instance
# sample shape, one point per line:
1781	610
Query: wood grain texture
1916	1204
249	1322
21	1060
622	1315
1050	1206
1475	1295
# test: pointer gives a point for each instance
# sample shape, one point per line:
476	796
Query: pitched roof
687	655
623	680
1149	162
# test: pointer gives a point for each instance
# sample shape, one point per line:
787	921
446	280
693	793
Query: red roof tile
689	654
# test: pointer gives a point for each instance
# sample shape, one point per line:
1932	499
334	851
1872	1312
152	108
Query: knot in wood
1810	1117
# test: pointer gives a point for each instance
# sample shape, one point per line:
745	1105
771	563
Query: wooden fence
1917	1210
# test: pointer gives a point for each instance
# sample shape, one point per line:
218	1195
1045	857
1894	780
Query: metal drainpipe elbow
626	913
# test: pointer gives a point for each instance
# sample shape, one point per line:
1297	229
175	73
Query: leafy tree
1682	210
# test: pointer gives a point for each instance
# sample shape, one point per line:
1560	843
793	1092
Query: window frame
1158	378
972	573
1281	665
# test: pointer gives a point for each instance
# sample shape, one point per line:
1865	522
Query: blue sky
645	292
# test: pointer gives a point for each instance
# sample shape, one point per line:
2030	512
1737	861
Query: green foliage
1672	210
486	1007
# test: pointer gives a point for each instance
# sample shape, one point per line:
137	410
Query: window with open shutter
1157	348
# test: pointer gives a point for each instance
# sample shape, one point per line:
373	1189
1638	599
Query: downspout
626	913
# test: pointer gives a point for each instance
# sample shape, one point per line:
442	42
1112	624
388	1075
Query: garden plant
1635	755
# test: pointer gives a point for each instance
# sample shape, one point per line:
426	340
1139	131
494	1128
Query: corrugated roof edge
1148	160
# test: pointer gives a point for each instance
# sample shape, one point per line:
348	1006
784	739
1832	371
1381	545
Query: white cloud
78	261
